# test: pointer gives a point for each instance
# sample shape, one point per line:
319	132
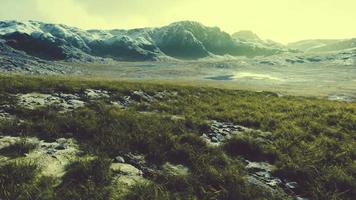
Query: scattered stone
119	159
96	94
68	97
34	100
342	97
219	132
66	102
125	176
177	118
60	147
142	96
6	141
301	198
214	140
260	173
5	116
125	169
292	185
135	159
52	157
263	172
165	94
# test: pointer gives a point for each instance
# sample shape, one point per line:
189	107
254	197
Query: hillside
64	138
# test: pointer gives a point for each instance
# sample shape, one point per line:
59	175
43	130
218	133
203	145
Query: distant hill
247	36
180	40
252	38
324	45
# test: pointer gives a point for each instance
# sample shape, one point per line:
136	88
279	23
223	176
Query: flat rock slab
52	157
36	100
125	176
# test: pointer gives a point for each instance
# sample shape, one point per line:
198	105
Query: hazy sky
280	20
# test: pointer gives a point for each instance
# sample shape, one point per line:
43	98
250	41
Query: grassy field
312	141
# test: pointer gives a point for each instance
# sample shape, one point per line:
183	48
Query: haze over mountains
32	43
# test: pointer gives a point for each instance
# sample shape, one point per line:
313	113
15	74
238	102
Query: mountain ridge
178	40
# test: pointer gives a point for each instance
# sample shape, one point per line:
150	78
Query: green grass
18	149
17	180
249	148
312	140
85	179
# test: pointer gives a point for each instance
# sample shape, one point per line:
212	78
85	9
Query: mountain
252	39
182	40
247	36
324	45
12	60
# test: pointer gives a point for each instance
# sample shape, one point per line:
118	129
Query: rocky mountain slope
183	40
12	60
40	48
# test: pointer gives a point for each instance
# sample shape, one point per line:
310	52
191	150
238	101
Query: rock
96	94
51	151
60	147
269	190
80	153
135	159
68	97
177	118
75	103
260	173
214	139
125	176
142	96
33	101
164	94
125	169
219	132
5	116
160	95
259	166
301	198
292	185
205	137
118	104
51	160
119	159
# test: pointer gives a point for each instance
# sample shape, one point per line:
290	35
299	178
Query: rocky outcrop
260	173
219	132
66	102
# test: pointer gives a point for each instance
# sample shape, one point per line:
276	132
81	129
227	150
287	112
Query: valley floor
76	138
330	80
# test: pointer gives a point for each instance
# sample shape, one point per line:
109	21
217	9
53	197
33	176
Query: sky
280	20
